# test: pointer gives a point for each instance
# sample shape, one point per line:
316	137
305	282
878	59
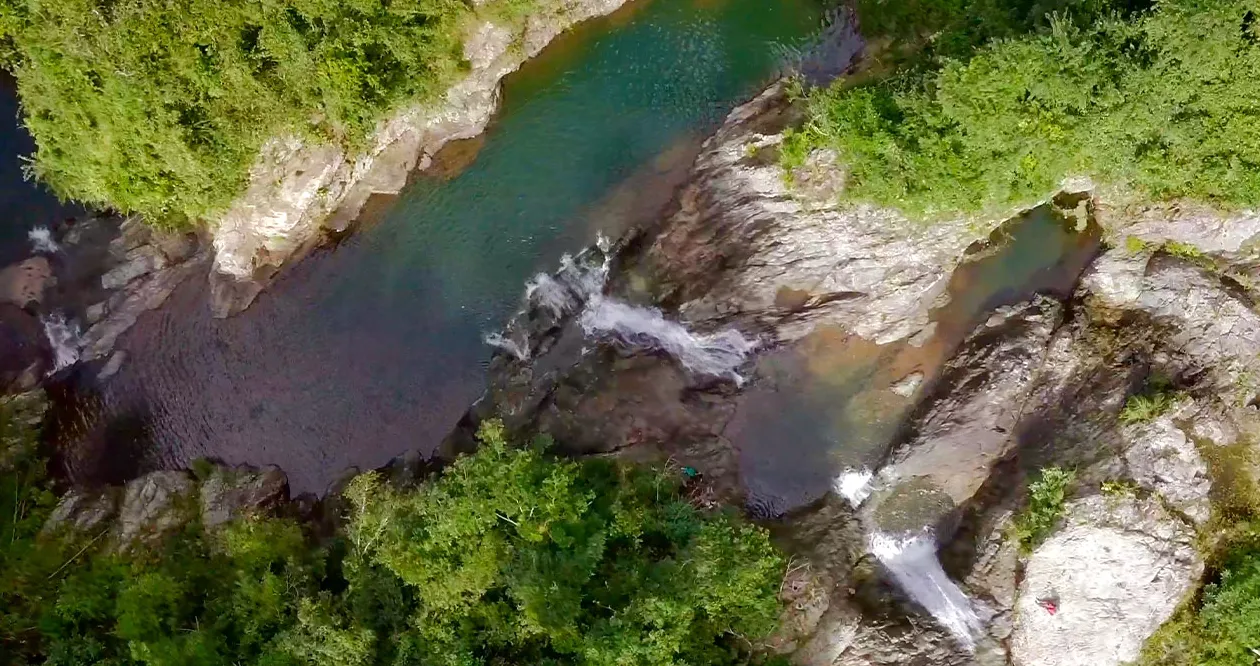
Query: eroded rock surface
229	493
1117	569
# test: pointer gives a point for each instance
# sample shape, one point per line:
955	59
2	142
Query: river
373	347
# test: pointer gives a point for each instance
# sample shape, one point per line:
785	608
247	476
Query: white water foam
65	339
550	294
715	354
854	485
911	558
42	240
508	345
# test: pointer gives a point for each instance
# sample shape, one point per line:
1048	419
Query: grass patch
1047	495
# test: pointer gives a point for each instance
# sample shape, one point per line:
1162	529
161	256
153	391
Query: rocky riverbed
1039	380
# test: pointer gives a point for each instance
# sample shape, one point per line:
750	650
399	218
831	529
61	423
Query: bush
160	108
1046	497
507	557
1158	100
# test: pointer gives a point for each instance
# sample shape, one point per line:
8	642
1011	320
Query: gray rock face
140	261
1162	458
230	493
1118	569
744	241
153	506
82	511
1207	326
977	405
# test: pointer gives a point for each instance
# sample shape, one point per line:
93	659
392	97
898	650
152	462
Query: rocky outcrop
157	504
971	422
296	187
749	239
1162	457
1116	570
231	493
153	506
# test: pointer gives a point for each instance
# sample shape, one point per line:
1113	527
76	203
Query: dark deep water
374	348
24	204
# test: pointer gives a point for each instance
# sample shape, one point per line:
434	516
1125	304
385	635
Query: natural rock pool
374	347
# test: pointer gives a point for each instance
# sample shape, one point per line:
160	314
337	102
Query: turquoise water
373	348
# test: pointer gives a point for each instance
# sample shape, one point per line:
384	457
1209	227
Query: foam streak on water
549	294
42	241
65	339
911	558
508	345
714	354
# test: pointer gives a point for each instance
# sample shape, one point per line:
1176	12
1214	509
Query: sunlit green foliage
509	556
160	107
1161	100
1046	497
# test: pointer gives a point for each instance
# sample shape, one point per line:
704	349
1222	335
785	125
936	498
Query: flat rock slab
1117	569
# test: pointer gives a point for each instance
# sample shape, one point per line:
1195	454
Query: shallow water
835	402
373	348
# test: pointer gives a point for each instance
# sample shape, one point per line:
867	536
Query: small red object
1050	605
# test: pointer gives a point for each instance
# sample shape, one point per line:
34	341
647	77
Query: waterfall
508	345
42	241
911	557
854	486
65	340
714	354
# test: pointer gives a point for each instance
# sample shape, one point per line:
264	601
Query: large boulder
229	493
1117	569
83	511
1160	456
153	506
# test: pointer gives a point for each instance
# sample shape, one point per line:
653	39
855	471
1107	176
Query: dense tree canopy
507	557
160	106
1161	99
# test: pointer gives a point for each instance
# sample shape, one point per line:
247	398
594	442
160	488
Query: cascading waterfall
911	557
715	354
42	241
65	339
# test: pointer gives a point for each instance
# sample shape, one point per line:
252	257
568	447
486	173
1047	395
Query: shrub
1144	408
1046	497
1159	100
507	557
160	108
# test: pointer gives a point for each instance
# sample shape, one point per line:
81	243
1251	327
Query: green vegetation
1046	497
1144	408
508	557
1001	104
160	108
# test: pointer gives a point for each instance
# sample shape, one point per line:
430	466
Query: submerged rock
1116	571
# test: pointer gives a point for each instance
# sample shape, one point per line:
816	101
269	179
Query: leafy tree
161	107
1161	100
